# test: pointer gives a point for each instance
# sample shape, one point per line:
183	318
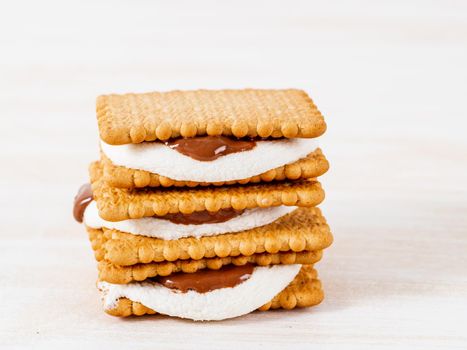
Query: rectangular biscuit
116	204
312	166
116	274
135	118
304	291
304	229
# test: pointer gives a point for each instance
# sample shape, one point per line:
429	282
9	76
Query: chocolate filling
208	148
81	201
202	217
207	280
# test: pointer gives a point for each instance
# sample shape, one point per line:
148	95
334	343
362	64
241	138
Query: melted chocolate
202	217
207	280
207	148
82	200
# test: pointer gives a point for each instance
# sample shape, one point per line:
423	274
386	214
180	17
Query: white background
390	78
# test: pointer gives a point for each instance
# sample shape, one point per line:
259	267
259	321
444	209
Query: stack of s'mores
203	203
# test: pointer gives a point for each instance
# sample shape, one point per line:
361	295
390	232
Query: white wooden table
391	80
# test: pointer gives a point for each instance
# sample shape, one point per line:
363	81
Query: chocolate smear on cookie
81	201
208	148
204	281
202	217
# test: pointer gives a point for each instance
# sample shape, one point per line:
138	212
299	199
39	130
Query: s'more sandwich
203	203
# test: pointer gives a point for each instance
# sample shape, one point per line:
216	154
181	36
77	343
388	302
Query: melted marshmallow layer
160	159
167	230
219	304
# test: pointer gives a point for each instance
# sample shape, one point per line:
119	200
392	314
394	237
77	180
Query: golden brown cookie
312	166
116	204
112	273
304	291
303	229
135	118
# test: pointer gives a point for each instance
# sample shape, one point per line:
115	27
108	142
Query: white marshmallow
264	283
158	158
164	229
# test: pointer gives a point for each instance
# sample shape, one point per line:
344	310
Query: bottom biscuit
304	291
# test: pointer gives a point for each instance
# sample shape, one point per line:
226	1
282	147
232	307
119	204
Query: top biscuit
135	118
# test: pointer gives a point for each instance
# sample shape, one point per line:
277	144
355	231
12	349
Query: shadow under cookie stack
203	203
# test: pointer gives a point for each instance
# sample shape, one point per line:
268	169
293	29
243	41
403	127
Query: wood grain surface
391	80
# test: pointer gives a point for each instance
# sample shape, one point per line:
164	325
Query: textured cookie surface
314	165
112	273
303	229
304	291
135	118
116	204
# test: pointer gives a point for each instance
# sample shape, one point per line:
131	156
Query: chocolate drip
208	148
202	217
207	280
82	200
